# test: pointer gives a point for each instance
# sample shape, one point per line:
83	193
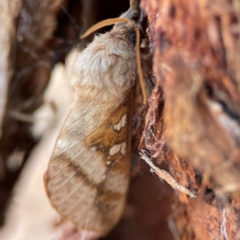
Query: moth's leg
148	84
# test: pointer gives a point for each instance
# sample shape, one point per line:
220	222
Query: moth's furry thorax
109	62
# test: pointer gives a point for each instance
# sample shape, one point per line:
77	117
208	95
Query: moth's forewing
88	174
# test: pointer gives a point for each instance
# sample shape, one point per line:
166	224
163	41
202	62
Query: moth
88	174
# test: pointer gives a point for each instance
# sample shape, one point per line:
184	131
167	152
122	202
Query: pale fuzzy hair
108	63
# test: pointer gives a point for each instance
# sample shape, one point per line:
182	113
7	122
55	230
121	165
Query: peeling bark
194	124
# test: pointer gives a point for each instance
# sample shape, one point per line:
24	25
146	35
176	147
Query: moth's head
126	27
128	32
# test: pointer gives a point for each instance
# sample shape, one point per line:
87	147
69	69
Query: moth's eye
132	37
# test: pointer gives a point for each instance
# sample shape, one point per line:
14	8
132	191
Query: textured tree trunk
194	111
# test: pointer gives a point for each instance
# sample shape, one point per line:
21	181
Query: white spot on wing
62	145
123	148
118	148
121	124
108	163
92	149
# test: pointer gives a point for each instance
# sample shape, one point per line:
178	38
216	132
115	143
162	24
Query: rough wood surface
193	117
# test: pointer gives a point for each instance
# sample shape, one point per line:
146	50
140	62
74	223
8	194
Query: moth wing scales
90	183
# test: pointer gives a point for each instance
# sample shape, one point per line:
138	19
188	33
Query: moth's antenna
134	6
104	23
139	66
112	21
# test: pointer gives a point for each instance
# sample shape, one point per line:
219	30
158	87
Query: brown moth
88	173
